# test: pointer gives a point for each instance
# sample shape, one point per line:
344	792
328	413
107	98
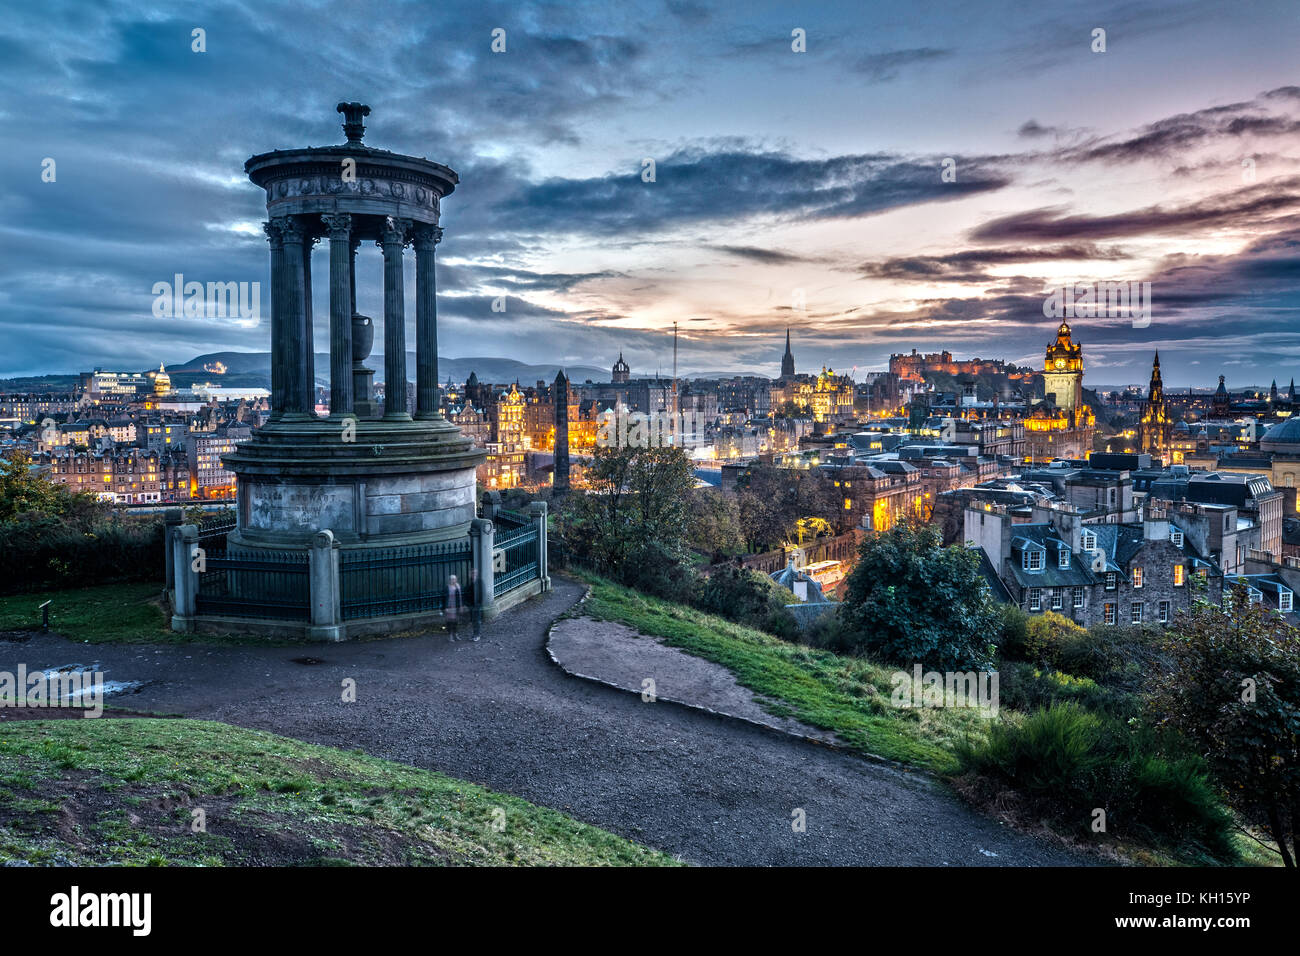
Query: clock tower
1063	371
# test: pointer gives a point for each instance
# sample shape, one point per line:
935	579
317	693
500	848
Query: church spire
787	360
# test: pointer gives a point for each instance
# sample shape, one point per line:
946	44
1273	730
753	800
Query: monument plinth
406	476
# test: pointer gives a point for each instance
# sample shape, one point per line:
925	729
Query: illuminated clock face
1060	363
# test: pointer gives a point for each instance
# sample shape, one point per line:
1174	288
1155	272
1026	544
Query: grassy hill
126	792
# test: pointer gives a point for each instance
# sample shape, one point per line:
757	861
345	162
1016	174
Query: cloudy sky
1173	157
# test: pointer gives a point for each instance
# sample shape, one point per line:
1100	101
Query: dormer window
1089	541
1285	600
1177	538
1032	560
1256	596
1063	558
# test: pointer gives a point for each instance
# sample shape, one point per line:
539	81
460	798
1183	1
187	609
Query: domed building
162	382
1282	438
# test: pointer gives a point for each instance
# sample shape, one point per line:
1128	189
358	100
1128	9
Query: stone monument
400	477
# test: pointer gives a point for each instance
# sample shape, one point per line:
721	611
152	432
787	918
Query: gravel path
615	654
710	789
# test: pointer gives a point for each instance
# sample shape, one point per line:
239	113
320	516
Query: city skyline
757	201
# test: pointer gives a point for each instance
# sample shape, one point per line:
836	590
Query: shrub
1043	632
1027	687
750	598
1070	762
910	600
1053	751
1012	628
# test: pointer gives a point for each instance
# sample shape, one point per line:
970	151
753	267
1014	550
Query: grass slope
110	613
123	792
849	696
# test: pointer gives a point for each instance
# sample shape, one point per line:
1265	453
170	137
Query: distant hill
251	368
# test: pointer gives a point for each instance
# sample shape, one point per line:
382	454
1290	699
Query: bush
42	551
1044	632
1012	629
1070	762
1118	657
1026	687
750	598
1053	751
910	600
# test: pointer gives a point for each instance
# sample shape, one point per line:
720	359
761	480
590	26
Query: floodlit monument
386	494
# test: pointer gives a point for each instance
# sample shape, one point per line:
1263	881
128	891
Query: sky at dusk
778	175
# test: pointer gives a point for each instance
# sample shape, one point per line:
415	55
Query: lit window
1109	617
1180	575
1137	577
848	504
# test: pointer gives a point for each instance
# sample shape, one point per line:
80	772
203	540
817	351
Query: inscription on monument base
302	507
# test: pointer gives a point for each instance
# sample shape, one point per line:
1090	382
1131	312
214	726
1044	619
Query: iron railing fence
389	581
262	584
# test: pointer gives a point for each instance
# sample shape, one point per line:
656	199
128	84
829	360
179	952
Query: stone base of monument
372	483
345	527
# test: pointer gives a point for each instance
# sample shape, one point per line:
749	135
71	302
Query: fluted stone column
394	239
426	323
341	298
278	315
296	395
308	326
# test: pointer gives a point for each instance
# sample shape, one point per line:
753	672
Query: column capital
338	225
273	233
290	229
426	237
394	232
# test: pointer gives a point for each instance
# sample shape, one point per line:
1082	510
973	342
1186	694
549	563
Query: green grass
127	613
123	792
845	695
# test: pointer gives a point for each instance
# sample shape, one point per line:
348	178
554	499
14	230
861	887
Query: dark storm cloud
695	185
761	254
964	266
1175	136
1250	207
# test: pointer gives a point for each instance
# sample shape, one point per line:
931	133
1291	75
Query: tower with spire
622	372
1221	404
787	360
1156	428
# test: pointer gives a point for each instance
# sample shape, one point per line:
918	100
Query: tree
772	501
22	491
910	600
714	523
1232	688
632	521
